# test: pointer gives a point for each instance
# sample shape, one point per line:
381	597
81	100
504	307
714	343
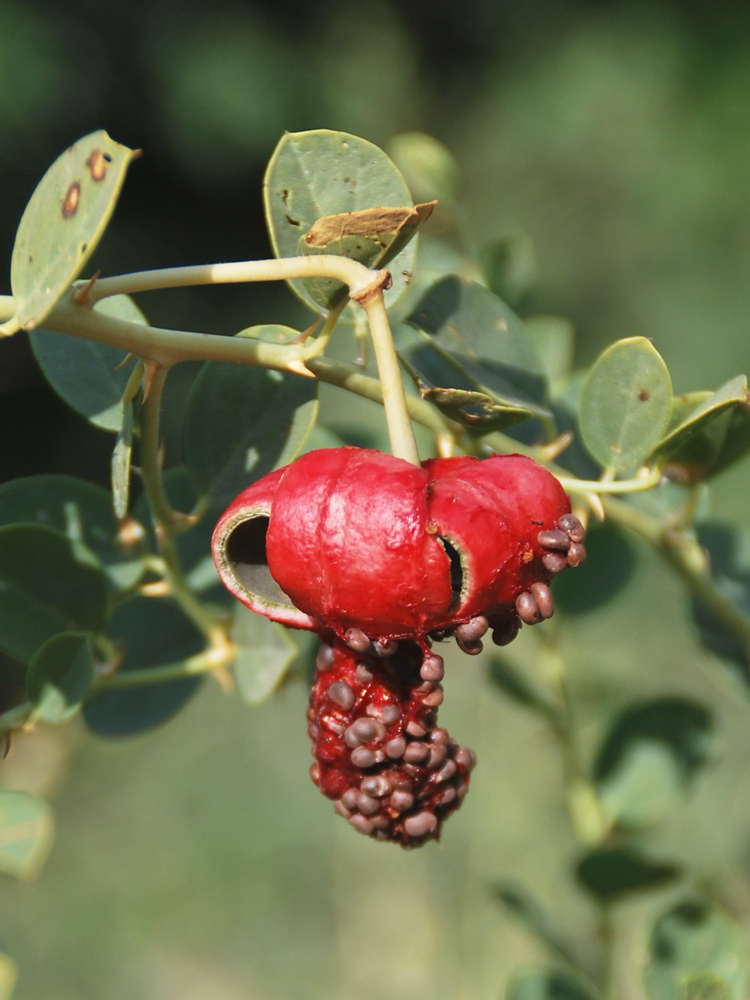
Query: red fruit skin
347	540
436	785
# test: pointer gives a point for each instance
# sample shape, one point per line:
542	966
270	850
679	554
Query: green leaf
121	459
323	173
737	439
554	341
728	550
8	976
510	267
26	834
85	373
429	167
625	404
610	873
696	951
471	340
265	651
48	584
80	510
59	676
259	420
610	563
549	984
151	632
647	762
699	428
522	689
526	910
63	222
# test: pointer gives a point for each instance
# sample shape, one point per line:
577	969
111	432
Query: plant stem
14	718
355	275
400	430
686	557
201	663
164	517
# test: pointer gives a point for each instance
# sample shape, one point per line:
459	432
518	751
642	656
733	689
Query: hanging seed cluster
383	559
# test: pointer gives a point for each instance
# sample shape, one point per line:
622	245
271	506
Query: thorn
594	501
558	446
299	368
6	749
81	292
125	361
304	334
148	377
159	588
445	444
224	679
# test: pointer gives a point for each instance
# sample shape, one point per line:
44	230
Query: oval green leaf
151	632
265	651
326	173
83	512
554	340
59	676
430	169
121	459
89	376
48	584
625	404
26	834
609	873
63	222
647	763
696	951
259	420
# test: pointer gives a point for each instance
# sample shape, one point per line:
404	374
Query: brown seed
384	647
438	753
367	805
439	735
368	729
543	597
447	771
421	824
504	634
472	630
313	731
341	809
356	639
402	800
349	798
572	527
315	772
415	753
414	729
395	748
434	698
576	555
342	694
466	758
555	562
448	796
556	539
362	757
433	668
364	674
528	609
324	659
389	714
362	823
472	648
351	739
376	785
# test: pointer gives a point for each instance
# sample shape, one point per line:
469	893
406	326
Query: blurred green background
199	861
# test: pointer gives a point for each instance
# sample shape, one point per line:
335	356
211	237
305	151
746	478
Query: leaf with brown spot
62	225
369	222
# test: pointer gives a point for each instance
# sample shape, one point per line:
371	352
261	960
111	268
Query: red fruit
354	540
379	754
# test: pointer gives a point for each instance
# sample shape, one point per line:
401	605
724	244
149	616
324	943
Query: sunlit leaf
264	653
429	168
648	760
610	873
625	404
121	459
48	584
63	222
150	632
554	340
324	173
26	834
59	676
696	952
88	375
242	422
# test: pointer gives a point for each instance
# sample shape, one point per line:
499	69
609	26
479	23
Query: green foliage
264	651
26	829
549	984
59	676
611	873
